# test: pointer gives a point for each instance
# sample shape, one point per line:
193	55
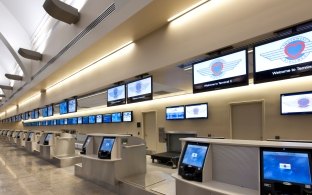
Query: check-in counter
110	157
214	167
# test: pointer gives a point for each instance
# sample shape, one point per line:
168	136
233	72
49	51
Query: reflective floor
22	173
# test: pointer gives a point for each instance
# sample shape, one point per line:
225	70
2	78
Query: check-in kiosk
85	144
10	136
216	166
21	138
30	142
111	157
46	142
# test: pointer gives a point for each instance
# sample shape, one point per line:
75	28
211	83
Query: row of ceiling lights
70	15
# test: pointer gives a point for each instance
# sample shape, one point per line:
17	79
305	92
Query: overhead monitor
140	90
85	120
230	70
283	58
196	111
116	95
91	119
99	118
50	110
79	120
63	107
107	118
296	103
175	113
72	105
116	117
127	116
44	111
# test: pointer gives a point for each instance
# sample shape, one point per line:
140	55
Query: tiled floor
22	173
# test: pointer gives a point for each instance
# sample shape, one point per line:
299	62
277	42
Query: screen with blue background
50	110
91	119
79	120
175	113
99	118
44	111
116	117
72	105
107	144
286	167
107	118
85	120
195	155
63	107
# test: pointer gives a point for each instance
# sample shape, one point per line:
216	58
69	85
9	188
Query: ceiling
133	20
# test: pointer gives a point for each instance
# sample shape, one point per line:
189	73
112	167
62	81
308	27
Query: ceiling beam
13	77
6	87
29	54
61	11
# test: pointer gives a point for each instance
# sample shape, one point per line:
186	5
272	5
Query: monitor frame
140	98
292	94
121	116
178	119
76	105
131	116
198	104
119	101
63	102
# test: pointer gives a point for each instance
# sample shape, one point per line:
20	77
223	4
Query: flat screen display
196	111
55	122
223	72
116	95
49	123
72	105
140	90
48	137
91	119
99	118
107	118
195	155
175	113
283	58
79	120
116	117
107	144
65	121
296	103
63	107
50	110
293	167
62	121
44	112
85	120
127	116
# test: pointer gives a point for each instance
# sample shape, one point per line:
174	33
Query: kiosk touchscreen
106	147
85	144
285	171
30	136
192	161
47	139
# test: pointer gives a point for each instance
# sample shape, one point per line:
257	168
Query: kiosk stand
110	157
30	143
213	167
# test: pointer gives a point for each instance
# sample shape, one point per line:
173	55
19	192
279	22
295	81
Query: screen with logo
107	118
140	90
72	105
79	120
116	95
175	113
116	117
223	72
196	111
85	120
92	119
44	112
283	58
127	116
195	155
296	103
293	167
50	110
107	144
63	107
99	118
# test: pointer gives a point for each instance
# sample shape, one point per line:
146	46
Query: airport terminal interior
156	97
